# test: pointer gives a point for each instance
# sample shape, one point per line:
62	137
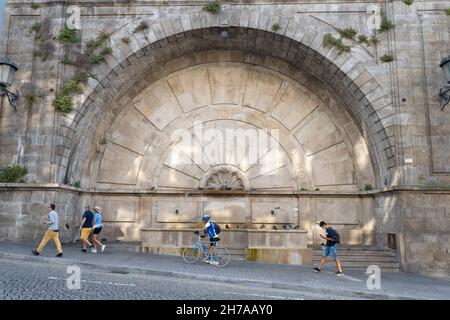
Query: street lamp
7	70
444	94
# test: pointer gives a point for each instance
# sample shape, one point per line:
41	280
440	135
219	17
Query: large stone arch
315	135
296	49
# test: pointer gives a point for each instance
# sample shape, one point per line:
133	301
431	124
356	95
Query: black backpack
337	237
217	228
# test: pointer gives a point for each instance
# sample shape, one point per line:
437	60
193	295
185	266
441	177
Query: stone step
354	248
362	264
384	266
355	252
360	259
358	254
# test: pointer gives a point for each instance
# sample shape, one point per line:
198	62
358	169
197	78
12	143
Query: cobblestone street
124	274
31	280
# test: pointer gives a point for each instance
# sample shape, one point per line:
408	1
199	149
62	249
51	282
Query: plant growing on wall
387	57
34	6
67	35
447	11
386	24
276	27
64	100
141	27
348	33
363	39
30	99
36	27
98	48
45	46
126	40
103	141
374	40
368	187
66	60
30	93
63	103
73	87
330	41
12	174
408	2
213	7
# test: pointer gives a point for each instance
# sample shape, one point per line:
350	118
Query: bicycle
221	256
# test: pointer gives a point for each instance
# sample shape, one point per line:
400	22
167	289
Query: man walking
97	229
52	232
332	237
86	227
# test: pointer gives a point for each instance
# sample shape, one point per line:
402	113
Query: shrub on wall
387	57
141	27
386	24
67	35
13	173
330	41
276	27
213	7
63	101
348	33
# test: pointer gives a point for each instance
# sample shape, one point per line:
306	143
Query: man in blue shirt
97	229
86	227
209	230
329	248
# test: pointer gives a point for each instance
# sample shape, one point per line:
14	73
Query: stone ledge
279	255
194	193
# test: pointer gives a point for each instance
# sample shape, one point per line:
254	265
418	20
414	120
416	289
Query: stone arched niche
343	82
311	141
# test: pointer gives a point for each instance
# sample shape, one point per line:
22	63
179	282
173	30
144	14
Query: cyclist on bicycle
209	230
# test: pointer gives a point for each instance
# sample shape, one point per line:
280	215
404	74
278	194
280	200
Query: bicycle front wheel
222	256
191	255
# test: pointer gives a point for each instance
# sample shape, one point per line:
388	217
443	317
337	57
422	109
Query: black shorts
97	230
213	241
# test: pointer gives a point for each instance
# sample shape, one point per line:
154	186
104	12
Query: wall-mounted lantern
7	70
444	93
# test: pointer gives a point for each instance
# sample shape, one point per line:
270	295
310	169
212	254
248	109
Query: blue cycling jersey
209	227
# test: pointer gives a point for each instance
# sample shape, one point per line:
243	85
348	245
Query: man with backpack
332	237
211	229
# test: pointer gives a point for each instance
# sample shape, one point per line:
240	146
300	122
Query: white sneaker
103	248
94	250
215	263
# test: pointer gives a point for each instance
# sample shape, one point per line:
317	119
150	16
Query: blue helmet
206	218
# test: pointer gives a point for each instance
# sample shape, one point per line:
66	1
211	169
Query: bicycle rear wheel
222	256
191	255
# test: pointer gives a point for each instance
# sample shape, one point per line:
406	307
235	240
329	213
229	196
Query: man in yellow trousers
52	232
